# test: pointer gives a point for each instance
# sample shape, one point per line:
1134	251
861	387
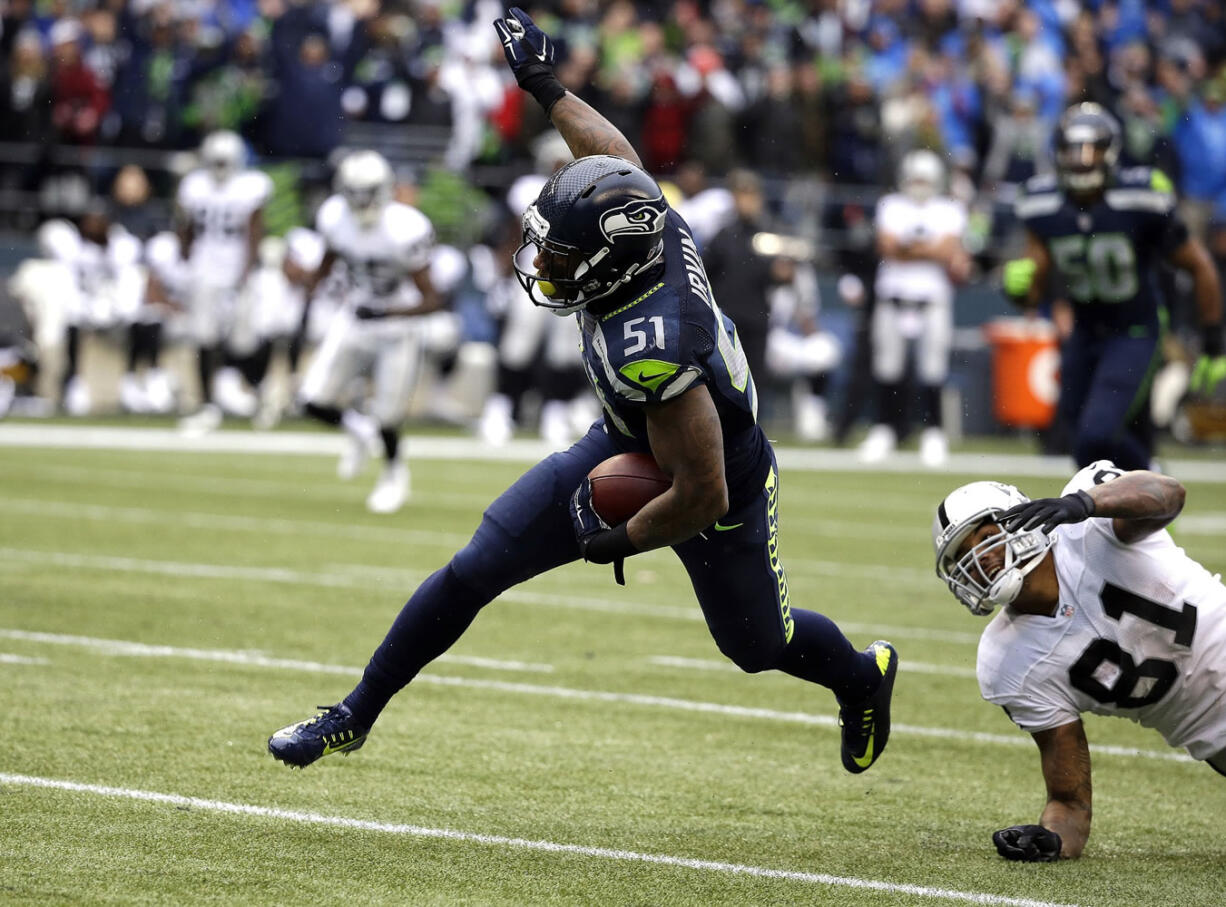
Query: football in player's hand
623	484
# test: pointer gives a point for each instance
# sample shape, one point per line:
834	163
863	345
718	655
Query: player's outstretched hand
1048	512
531	54
1027	844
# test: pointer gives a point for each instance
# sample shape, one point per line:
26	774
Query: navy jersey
1108	254
661	338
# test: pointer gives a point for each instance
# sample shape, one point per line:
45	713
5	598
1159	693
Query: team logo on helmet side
641	216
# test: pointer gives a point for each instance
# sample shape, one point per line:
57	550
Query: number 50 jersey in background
1107	254
1140	632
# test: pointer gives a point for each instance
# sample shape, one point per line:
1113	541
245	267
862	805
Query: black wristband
544	86
1086	500
609	546
1211	340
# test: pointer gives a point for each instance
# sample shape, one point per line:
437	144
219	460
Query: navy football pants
735	571
1104	397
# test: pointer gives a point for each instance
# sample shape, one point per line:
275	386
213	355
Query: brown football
621	485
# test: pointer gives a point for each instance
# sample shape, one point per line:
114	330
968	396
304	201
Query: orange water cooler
1025	371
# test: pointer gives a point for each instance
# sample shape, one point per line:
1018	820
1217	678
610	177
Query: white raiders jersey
909	221
109	276
378	261
220	214
164	259
1139	632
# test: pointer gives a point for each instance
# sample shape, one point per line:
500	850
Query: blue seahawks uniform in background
1107	257
669	336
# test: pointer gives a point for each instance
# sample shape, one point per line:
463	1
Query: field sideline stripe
259	660
343	576
458	448
605	853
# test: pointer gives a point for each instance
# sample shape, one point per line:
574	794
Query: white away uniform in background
220	214
110	278
378	263
165	261
914	298
1140	632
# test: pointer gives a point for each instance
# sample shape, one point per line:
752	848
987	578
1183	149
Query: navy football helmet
597	224
1087	147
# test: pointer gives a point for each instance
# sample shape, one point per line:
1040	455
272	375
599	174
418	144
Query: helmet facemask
597	224
966	573
1087	148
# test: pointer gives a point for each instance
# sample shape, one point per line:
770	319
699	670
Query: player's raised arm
531	54
1139	504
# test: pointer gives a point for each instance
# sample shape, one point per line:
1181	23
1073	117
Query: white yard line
465	837
363	576
9	659
250	659
436	448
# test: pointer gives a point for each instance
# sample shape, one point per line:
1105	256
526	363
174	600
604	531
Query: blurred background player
106	261
798	352
919	240
538	354
384	248
221	222
1104	232
167	290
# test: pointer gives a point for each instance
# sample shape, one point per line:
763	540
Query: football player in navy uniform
673	382
1104	232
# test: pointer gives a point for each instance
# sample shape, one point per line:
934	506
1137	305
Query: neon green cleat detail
866	725
333	730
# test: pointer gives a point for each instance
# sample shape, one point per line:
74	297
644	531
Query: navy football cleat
866	725
333	730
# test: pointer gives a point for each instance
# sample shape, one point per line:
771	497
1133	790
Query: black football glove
1027	844
1048	512
530	53
598	542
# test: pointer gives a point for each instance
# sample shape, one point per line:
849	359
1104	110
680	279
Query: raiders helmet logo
642	216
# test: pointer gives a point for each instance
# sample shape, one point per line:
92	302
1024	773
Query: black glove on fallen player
1027	844
530	53
1048	512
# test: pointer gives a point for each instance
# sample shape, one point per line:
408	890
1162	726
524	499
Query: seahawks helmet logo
641	216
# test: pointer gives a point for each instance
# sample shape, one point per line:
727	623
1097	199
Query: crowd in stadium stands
837	88
811	96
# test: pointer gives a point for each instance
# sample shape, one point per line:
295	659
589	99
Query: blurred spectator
1200	139
309	79
740	276
25	92
150	83
1020	145
230	93
78	98
130	195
